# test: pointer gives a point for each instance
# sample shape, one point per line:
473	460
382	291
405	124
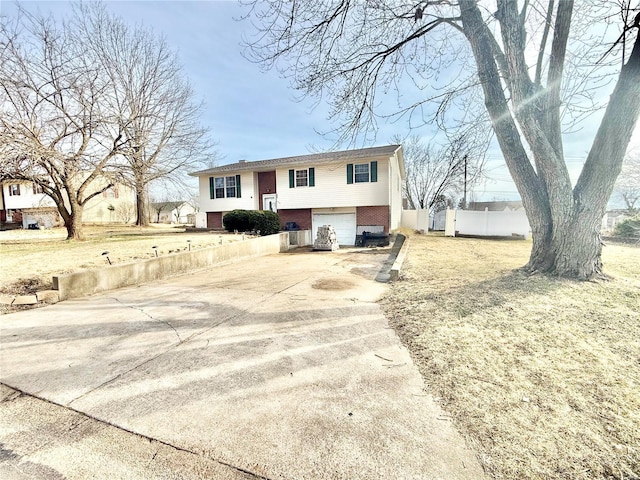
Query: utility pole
464	200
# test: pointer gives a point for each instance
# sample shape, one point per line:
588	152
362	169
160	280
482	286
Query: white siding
94	211
331	188
26	199
395	193
97	210
247	201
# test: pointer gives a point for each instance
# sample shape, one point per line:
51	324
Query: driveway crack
141	310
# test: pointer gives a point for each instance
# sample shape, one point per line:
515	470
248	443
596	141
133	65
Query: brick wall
214	220
373	216
266	184
302	216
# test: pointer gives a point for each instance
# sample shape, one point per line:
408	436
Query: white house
346	189
23	202
172	212
19	197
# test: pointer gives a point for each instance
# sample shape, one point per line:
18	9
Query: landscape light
189	243
106	255
155	249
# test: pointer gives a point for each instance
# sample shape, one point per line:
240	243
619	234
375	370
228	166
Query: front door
269	202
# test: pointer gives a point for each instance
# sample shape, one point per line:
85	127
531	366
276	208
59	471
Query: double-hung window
224	187
231	186
37	189
302	178
14	189
219	187
362	172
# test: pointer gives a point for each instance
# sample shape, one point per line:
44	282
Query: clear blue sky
253	115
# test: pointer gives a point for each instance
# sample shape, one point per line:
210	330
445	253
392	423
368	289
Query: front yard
31	257
541	375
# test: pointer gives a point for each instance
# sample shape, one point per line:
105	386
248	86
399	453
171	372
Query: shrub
237	220
266	221
628	228
252	220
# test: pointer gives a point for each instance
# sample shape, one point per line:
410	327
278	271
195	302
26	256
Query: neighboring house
612	218
346	189
172	212
24	203
498	206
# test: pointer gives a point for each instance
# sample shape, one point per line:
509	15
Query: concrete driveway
277	367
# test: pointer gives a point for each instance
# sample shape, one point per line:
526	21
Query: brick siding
214	220
302	216
373	216
266	184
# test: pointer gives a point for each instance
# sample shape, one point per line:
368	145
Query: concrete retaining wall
83	283
394	273
300	238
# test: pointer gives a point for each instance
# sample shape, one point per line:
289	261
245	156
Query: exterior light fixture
155	249
106	255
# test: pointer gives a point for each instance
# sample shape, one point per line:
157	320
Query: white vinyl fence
487	224
415	219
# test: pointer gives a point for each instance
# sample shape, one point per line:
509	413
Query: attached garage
344	224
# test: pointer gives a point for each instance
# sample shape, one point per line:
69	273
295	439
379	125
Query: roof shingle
315	158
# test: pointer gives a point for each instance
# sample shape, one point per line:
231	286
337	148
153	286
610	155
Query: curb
397	265
384	275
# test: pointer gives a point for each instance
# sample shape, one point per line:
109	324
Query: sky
254	115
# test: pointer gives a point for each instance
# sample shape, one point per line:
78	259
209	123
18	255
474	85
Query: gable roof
314	158
166	206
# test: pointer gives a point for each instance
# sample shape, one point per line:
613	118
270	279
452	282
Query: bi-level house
24	203
351	190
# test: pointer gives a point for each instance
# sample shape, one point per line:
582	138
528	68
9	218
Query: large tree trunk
73	222
565	222
142	203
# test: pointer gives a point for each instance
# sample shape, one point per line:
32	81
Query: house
496	206
351	190
172	212
612	218
20	198
23	202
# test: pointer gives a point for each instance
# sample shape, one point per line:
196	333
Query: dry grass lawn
30	258
542	375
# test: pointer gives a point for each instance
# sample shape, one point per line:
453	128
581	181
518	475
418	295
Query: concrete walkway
278	367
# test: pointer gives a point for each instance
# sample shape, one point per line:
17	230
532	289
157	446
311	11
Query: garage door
344	224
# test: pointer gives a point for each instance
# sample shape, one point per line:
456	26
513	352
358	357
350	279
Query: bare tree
156	207
126	212
54	131
628	184
435	174
157	108
351	52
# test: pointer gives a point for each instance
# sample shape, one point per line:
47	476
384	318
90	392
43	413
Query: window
219	187
14	189
37	189
231	186
224	187
111	192
361	173
302	178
